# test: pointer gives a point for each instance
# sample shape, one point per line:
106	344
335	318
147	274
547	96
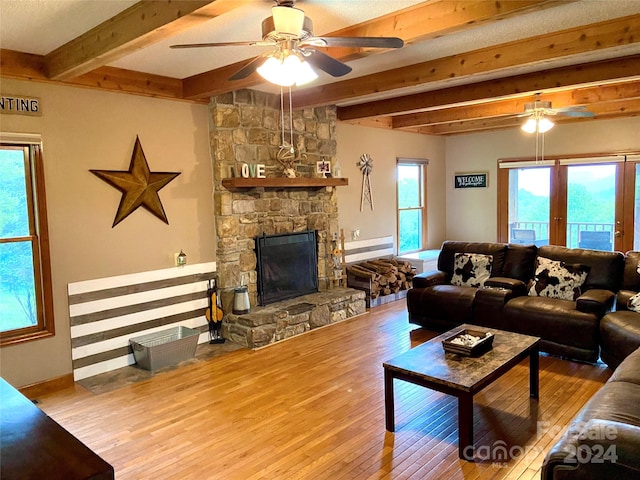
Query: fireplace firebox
287	266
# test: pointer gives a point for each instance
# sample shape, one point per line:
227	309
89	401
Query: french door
584	202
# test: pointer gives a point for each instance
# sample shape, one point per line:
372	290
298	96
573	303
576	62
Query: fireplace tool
214	314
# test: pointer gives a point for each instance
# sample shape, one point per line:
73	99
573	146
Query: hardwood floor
312	407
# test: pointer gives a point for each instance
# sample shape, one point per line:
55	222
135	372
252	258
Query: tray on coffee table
469	342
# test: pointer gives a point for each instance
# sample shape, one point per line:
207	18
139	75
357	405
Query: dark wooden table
33	446
429	366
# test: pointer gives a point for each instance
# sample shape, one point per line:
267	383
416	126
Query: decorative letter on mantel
139	186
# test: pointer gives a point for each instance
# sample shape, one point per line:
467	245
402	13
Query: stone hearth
282	320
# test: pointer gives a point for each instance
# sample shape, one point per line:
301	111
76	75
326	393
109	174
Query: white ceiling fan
291	33
538	111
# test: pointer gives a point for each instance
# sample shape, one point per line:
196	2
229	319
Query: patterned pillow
634	303
555	279
471	269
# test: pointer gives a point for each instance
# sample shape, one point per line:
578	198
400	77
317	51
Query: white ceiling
40	26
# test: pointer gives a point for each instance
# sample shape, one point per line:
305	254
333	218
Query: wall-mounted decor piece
139	186
20	104
471	180
366	166
287	157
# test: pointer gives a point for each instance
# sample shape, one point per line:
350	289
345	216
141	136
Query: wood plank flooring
312	407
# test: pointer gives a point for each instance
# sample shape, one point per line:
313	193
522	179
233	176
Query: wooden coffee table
429	366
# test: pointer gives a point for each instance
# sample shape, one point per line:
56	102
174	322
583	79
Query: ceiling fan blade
326	63
372	42
576	113
248	69
224	44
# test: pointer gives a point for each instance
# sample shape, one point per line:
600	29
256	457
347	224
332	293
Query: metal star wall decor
139	186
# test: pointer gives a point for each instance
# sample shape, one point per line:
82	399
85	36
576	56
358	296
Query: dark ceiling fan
291	32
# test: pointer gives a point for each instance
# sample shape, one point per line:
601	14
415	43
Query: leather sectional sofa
519	294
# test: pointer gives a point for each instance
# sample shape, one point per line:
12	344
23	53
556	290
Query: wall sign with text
471	180
19	104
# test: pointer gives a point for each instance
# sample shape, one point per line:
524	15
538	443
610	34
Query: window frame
38	236
422	163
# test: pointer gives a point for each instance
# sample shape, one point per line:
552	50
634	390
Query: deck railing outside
538	232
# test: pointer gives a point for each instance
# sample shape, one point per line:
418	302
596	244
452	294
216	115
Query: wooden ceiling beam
603	111
423	21
515	106
25	66
533	52
142	24
546	80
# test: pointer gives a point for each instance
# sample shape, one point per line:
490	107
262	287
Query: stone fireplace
245	127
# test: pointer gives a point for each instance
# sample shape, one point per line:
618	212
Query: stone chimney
246	127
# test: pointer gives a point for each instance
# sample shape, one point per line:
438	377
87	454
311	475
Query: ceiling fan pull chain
291	119
282	113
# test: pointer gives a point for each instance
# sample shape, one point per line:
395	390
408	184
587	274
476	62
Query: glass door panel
591	206
529	205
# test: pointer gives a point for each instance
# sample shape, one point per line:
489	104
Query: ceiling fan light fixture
288	20
537	124
287	69
530	125
544	125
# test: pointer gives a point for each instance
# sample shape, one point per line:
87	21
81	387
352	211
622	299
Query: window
26	309
411	205
584	202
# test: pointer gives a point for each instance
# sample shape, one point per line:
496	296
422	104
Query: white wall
86	129
384	147
471	213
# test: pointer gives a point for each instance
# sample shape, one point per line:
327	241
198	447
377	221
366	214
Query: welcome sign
471	180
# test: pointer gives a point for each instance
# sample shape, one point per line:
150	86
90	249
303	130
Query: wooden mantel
277	182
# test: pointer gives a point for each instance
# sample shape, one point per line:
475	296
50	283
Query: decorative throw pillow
471	269
555	279
634	303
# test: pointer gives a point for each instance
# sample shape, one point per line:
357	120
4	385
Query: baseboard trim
52	385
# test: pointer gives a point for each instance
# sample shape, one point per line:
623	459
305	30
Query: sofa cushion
554	320
519	262
471	269
606	267
451	247
555	279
